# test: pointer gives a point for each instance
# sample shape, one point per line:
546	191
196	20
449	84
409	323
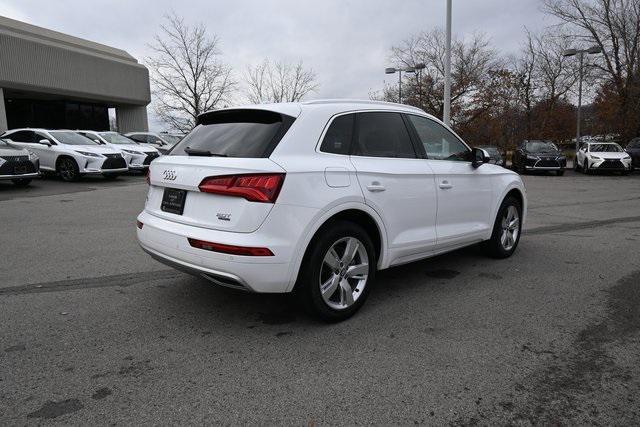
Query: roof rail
358	101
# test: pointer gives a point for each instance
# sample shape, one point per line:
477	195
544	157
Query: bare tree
614	26
471	61
279	82
187	74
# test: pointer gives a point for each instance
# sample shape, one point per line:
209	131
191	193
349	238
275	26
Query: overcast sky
345	42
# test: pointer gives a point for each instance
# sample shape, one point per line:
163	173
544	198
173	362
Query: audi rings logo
169	175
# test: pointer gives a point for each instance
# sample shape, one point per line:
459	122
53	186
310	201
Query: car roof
334	106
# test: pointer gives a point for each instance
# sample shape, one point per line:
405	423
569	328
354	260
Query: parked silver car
17	164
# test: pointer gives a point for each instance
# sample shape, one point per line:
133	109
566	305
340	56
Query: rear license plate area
173	200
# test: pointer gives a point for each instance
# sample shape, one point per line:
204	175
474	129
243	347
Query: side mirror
479	157
45	142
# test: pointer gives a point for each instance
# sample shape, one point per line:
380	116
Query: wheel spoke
503	238
329	287
356	270
346	293
513	225
332	259
350	251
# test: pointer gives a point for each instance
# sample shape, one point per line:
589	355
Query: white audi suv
138	156
315	197
69	154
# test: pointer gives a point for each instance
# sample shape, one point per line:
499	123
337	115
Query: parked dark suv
533	156
633	148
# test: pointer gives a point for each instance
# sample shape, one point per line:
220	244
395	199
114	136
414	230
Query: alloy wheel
344	273
67	170
510	228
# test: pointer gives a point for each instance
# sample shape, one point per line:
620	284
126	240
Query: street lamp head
569	52
409	70
390	70
594	49
420	66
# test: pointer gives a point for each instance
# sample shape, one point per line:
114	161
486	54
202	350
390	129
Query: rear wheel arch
367	220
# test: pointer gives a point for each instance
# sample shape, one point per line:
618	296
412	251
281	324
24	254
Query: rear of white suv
316	197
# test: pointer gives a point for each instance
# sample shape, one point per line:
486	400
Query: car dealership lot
95	331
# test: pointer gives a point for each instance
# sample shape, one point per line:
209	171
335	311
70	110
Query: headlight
132	152
84	153
560	158
595	157
32	155
532	157
626	158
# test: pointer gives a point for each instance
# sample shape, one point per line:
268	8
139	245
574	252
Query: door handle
375	187
445	185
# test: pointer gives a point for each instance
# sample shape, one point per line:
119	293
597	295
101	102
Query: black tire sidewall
309	277
494	245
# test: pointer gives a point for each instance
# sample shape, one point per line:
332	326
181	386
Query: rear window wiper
205	153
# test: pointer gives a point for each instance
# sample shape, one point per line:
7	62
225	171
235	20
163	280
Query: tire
500	245
559	173
110	176
585	167
67	169
21	182
320	267
576	165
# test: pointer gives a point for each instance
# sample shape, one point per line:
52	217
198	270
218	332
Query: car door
396	183
464	193
48	153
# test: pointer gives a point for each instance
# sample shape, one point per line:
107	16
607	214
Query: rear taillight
262	187
229	249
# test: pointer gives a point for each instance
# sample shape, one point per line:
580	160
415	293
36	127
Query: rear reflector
139	224
229	249
261	187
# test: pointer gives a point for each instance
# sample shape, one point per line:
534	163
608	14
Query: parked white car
137	156
317	196
69	154
162	141
602	156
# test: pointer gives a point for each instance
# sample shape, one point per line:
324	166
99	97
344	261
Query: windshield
235	133
493	151
71	138
541	147
170	139
116	138
605	148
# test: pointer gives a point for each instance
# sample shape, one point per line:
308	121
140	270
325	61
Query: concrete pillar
132	118
3	113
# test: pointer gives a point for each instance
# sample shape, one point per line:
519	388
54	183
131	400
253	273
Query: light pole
446	116
580	52
419	67
392	70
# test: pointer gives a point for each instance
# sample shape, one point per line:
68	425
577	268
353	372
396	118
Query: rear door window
337	140
21	136
235	133
382	135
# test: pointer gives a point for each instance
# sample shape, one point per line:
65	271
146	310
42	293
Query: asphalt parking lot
93	331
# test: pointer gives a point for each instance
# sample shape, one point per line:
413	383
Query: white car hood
133	147
609	155
97	149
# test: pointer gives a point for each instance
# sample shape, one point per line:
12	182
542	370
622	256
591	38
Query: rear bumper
166	241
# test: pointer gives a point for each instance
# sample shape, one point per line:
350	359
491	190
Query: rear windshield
235	133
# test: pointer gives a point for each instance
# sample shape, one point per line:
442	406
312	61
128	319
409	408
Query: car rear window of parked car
382	135
235	133
337	140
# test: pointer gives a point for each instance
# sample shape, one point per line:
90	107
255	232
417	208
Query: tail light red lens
230	249
262	187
